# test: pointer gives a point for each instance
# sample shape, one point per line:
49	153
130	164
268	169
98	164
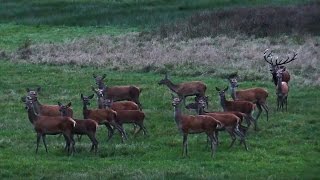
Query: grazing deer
118	93
188	124
107	117
257	96
183	90
275	66
230	122
48	125
282	91
46	110
83	126
245	107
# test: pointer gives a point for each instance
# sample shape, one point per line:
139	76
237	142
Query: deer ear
90	97
23	99
284	68
81	96
217	89
104	76
226	88
27	89
172	96
69	105
94	75
39	89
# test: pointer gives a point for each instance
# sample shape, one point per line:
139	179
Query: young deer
186	89
282	91
257	96
118	93
48	125
275	66
83	126
245	107
188	124
107	117
46	110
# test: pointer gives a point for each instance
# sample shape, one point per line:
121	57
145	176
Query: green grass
286	147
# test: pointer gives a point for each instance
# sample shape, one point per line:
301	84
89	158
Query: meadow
36	34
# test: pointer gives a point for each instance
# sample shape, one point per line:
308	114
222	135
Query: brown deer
188	124
118	93
83	126
186	89
282	91
275	66
257	96
245	107
105	117
49	125
46	110
132	116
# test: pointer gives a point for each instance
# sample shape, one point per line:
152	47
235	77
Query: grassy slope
286	147
50	20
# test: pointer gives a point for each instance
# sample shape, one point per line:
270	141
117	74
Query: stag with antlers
275	66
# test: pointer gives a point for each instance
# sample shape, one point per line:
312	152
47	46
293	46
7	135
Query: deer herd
119	105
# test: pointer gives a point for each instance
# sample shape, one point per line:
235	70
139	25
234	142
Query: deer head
33	93
175	101
99	80
64	108
86	99
165	80
99	92
222	92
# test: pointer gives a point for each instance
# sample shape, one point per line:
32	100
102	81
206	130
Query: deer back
226	119
130	115
192	88
48	124
124	105
242	106
252	94
102	115
118	93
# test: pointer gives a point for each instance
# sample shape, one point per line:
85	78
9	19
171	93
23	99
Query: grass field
285	147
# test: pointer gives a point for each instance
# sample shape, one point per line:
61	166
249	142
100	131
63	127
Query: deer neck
274	78
177	115
100	103
32	115
223	102
233	93
85	111
37	106
171	86
279	85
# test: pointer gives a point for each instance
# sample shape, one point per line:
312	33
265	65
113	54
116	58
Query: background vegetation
59	44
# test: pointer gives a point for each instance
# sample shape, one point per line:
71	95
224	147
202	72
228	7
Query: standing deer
275	66
118	93
105	117
48	125
83	126
183	90
257	96
282	90
188	124
245	107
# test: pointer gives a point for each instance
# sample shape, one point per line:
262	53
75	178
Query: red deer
188	124
132	116
107	117
245	107
257	96
119	93
186	89
83	126
45	110
275	66
282	91
48	125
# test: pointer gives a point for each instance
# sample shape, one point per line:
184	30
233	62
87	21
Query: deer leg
185	144
38	141
110	131
216	136
44	142
286	101
233	137
265	107
211	137
73	142
140	128
120	129
242	138
260	110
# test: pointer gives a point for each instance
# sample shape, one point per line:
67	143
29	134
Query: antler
288	59
265	56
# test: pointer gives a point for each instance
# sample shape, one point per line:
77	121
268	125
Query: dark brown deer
245	107
132	117
257	96
107	117
49	125
188	124
186	89
83	127
118	93
282	91
45	110
275	66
